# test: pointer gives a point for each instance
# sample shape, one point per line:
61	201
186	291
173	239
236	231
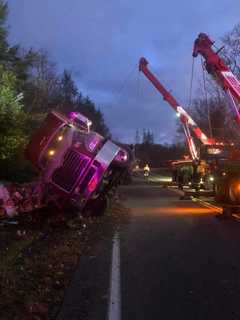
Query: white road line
218	209
208	205
202	202
114	308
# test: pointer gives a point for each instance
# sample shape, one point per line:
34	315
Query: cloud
102	41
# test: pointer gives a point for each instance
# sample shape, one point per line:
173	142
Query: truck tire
220	193
226	192
233	192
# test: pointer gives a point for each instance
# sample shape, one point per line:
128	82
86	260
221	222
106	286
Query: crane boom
218	69
185	118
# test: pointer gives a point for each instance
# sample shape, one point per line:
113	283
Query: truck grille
72	168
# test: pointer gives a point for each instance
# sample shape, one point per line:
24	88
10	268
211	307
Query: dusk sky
101	42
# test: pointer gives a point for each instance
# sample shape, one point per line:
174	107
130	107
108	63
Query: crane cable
206	98
139	95
123	85
117	93
139	92
191	84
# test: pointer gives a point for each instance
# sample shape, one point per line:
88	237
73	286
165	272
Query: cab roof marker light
78	116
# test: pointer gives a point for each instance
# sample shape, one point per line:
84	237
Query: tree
231	51
13	58
69	91
212	116
137	137
148	137
3	30
12	121
43	88
158	155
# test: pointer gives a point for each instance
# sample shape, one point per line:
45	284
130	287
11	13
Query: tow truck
77	167
227	173
208	145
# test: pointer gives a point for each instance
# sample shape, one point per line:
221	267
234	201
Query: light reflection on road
180	211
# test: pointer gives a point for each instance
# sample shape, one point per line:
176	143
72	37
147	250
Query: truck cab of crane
224	164
182	171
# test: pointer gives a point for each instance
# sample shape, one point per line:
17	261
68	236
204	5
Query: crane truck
208	145
77	167
219	70
227	175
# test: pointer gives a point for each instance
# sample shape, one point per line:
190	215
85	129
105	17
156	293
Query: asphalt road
178	261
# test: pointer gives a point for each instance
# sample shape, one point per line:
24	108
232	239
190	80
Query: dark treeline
30	86
156	155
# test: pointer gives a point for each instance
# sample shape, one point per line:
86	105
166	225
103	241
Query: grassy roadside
38	259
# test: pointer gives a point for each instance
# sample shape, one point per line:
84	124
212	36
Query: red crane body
143	63
216	66
185	118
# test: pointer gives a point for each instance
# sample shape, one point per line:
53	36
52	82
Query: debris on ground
39	254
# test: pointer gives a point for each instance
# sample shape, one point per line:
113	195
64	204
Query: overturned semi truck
77	166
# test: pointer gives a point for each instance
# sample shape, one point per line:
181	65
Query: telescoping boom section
187	122
219	70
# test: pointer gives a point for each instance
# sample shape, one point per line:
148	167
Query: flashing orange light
51	152
60	138
238	187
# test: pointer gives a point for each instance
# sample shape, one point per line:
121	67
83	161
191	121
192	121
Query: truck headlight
122	156
51	152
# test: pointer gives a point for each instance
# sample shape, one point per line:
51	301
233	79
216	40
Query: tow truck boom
218	69
185	118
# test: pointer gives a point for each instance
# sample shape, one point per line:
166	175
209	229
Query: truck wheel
228	191
220	194
234	191
231	194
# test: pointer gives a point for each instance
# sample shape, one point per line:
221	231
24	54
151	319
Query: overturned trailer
77	166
